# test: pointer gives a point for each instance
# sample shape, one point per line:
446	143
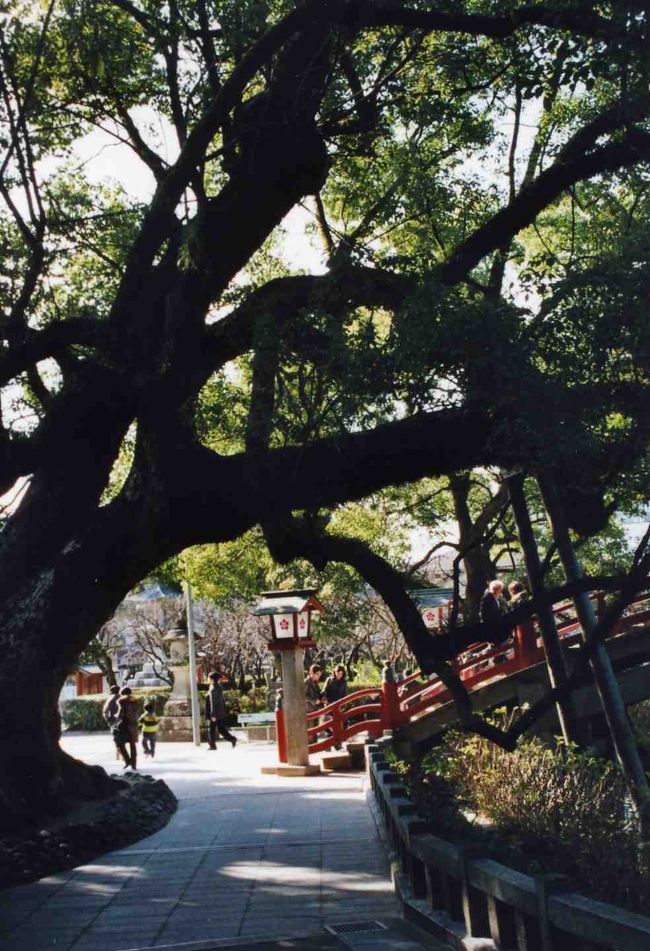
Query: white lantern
290	614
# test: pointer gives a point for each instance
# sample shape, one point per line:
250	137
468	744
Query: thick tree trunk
35	777
43	629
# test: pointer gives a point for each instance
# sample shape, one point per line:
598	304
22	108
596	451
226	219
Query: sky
102	159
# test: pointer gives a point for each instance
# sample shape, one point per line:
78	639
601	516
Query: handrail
364	692
479	663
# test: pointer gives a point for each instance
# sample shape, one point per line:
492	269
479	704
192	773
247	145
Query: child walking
149	725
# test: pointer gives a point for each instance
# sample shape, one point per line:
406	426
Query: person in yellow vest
149	726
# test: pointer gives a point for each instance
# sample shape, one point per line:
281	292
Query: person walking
126	729
149	725
215	711
110	711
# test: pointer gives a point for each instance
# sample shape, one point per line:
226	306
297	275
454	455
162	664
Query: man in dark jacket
313	695
336	686
215	711
126	728
493	607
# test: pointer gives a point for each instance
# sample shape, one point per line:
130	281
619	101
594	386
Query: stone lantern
176	725
291	616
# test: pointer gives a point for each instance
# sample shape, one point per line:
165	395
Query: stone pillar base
176	725
175	730
286	769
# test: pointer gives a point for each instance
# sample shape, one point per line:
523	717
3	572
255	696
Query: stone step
336	760
356	749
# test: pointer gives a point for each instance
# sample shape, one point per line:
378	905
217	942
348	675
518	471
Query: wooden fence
472	902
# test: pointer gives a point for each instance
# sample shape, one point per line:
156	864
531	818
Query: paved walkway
245	855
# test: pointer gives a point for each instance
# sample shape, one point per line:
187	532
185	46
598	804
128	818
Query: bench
258	726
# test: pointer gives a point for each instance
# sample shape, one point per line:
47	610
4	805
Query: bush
84	713
557	810
366	674
255	701
157	695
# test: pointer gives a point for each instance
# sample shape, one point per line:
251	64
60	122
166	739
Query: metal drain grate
356	927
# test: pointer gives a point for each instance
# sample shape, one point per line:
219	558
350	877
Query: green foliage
547	809
367	675
255	701
607	552
84	713
228	572
156	695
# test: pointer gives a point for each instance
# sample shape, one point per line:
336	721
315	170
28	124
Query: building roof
431	597
287	602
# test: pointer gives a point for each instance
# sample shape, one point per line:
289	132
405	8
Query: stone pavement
245	857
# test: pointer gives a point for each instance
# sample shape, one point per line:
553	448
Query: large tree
410	356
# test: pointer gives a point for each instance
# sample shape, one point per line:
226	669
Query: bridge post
280	733
625	745
526	642
389	699
557	671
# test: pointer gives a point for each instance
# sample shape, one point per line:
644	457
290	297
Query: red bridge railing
394	704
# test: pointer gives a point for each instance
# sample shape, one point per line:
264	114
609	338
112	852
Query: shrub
232	700
157	695
557	810
365	675
255	701
84	713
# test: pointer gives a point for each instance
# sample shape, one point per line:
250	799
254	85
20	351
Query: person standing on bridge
518	594
336	686
313	695
494	607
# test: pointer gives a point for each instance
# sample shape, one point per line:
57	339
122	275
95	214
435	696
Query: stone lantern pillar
291	617
176	725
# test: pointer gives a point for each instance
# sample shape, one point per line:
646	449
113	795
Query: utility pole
191	647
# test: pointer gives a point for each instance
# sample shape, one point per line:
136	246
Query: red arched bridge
515	671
